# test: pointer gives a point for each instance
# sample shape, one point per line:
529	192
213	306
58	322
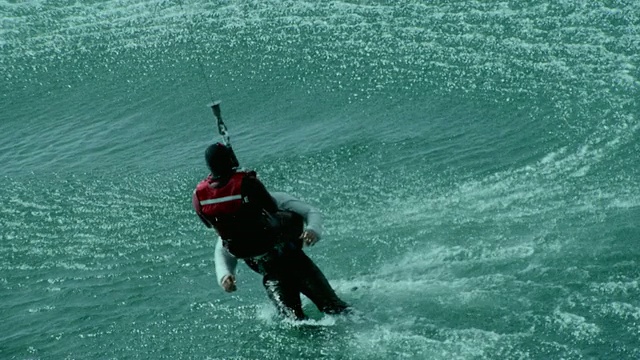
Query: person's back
236	204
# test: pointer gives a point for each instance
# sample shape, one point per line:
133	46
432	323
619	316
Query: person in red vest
267	231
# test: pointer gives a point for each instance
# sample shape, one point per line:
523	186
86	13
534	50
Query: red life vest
215	204
246	230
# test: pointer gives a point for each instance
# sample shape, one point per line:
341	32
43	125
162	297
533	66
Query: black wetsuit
287	271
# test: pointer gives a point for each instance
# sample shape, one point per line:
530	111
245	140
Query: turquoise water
477	165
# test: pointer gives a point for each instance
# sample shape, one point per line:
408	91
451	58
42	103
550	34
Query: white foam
268	314
622	310
616	287
575	325
392	341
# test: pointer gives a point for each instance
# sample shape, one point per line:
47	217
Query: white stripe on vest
221	200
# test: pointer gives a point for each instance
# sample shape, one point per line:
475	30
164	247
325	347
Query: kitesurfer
265	230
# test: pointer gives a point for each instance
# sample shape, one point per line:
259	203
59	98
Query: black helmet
220	160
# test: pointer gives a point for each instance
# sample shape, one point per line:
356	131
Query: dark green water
476	161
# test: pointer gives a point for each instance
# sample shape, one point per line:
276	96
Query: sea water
476	163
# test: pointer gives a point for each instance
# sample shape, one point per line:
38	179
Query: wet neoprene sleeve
311	215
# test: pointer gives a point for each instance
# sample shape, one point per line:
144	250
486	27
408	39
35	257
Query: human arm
225	264
312	217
